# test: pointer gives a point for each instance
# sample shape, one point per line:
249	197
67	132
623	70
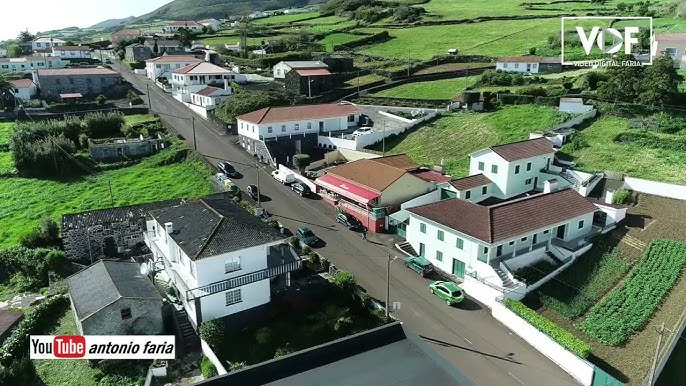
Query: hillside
198	9
109	23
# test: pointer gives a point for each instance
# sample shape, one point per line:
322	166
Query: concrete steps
507	283
189	337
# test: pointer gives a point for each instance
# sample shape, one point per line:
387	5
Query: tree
13	51
101	99
345	281
6	95
406	14
155	48
244	101
660	82
69	43
212	332
301	161
46	235
25	37
185	37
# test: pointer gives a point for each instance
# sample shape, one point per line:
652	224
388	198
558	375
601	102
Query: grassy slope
338	39
286	18
5	132
604	154
463	133
435	89
23	201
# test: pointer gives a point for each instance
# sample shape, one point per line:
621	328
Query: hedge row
555	332
34	322
378	37
627	309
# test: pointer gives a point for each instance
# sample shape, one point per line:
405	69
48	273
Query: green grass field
6	162
326	20
435	89
363	80
338	39
453	137
139	118
603	154
6	132
456	10
286	18
23	201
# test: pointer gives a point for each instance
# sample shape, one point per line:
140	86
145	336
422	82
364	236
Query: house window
439	255
232	264
440	235
309	125
467	194
523	239
278	71
516	65
545	232
504	65
484	190
37	44
534	65
528	166
482	166
283	128
422	228
233	297
297	126
528	181
512	243
516	169
125	313
494	169
269	129
485	250
581	224
460	243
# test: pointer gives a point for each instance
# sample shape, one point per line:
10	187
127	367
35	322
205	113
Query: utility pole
657	352
88	237
388	285
259	191
358	83
195	144
147	86
309	87
383	140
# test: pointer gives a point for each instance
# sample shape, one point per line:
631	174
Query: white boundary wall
578	368
299	177
212	357
656	188
479	291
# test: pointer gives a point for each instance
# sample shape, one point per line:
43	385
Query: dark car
302	189
253	192
227	169
419	264
348	220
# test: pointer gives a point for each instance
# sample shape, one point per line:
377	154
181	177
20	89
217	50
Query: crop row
627	309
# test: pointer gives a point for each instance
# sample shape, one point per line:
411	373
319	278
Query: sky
45	15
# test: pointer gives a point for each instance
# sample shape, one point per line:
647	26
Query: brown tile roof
430	175
400	161
77	71
72	48
184	23
470	182
314	72
176	58
505	220
524	149
9	319
296	113
367	173
127	31
207	91
671	37
21	83
520	59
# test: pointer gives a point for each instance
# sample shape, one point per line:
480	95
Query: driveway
467	336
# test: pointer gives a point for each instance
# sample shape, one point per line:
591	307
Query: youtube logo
70	346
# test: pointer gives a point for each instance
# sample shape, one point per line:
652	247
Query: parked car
253	192
420	265
362	131
305	235
300	188
448	291
226	184
348	220
227	168
284	178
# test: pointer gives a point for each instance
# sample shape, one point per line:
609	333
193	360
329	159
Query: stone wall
52	86
86	242
124	148
146	318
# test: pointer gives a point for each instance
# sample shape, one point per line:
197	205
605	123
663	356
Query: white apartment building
282	68
162	67
46	43
72	52
197	76
31	62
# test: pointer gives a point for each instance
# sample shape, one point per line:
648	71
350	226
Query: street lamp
388	283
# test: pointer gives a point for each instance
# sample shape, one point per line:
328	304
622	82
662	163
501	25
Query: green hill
199	9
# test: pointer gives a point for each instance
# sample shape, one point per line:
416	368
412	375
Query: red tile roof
471	182
368	174
207	91
520	59
430	175
176	59
524	149
296	113
315	72
671	37
77	71
21	83
499	222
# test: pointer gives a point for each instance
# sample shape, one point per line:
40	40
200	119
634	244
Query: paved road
468	337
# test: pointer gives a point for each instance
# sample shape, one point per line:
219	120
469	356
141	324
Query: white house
258	15
574	106
462	237
164	46
282	68
523	64
72	52
31	62
211	23
674	45
3	52
295	11
163	66
46	43
221	259
210	97
197	76
177	25
24	89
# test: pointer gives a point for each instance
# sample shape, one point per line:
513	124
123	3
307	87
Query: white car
284	178
362	131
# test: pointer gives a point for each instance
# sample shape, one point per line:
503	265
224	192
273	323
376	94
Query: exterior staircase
189	338
575	183
554	258
262	152
507	283
406	248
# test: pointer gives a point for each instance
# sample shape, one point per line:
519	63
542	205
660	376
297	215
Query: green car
448	291
305	235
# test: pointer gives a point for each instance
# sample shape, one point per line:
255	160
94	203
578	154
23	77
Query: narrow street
467	335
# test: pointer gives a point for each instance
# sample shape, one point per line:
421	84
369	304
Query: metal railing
482	280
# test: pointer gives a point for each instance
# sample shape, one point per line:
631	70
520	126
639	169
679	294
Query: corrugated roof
207	91
470	182
77	71
296	113
367	173
508	219
524	149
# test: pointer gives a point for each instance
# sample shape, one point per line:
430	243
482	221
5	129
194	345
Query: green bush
103	124
235	366
345	281
622	196
627	309
35	322
46	235
212	332
533	273
28	268
101	99
325	265
315	259
263	336
555	332
207	368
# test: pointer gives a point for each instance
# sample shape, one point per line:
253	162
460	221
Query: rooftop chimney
169	227
609	196
549	186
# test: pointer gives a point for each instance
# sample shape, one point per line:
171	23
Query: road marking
512	375
468	341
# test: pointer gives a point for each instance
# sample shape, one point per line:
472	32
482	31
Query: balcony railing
242	280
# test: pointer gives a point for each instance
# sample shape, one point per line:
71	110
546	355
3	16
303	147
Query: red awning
346	189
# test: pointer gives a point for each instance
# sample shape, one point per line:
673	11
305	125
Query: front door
298	146
421	249
499	250
458	268
561	231
535	239
528	67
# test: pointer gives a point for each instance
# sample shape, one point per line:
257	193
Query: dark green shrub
345	281
207	368
30	267
263	336
103	124
622	196
555	332
46	235
101	99
325	265
212	332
